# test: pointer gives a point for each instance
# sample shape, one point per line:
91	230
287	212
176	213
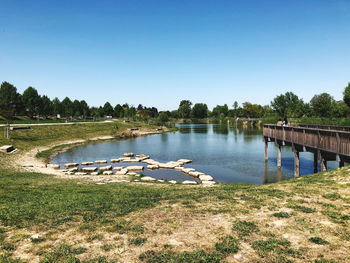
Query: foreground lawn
47	219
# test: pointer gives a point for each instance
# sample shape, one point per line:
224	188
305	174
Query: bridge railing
325	127
326	140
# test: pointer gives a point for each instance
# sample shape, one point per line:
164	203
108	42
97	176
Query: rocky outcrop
87	163
106	168
68	165
123	171
134	168
89	169
128	154
195	174
188	170
116	160
101	162
117	168
152	166
184	161
142	157
205	177
147	178
136	160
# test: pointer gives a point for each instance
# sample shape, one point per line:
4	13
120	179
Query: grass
79	221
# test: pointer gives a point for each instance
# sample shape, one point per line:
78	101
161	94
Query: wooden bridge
326	142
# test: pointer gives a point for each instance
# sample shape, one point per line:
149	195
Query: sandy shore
27	161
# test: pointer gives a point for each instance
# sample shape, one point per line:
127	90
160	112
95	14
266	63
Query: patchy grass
245	228
318	241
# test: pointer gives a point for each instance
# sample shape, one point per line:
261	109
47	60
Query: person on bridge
285	122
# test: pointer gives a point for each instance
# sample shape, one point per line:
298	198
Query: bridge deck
327	142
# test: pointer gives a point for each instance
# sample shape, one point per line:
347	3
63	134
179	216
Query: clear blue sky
159	52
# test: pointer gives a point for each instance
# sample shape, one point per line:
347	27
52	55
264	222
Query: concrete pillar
315	162
296	164
266	155
323	164
279	156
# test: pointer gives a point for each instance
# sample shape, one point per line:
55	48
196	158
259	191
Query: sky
157	53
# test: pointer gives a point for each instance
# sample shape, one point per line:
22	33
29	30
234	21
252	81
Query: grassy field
44	218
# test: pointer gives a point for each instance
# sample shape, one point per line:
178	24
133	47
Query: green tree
84	108
185	109
288	104
107	109
252	110
346	94
220	111
67	107
322	105
199	110
118	111
46	106
8	102
56	106
32	101
163	117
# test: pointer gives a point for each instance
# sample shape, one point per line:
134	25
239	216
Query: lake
227	153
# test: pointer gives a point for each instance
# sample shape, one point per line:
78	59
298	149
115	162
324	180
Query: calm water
224	152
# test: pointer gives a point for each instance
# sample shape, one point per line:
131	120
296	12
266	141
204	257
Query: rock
147	178
172	182
122	172
188	170
189	182
149	161
116	160
169	165
117	168
133	174
6	148
205	177
107	173
68	165
179	168
75	169
89	169
135	168
101	162
54	166
69	173
128	154
142	157
106	168
80	173
160	180
87	163
184	161
195	174
152	166
208	183
94	173
132	160
136	180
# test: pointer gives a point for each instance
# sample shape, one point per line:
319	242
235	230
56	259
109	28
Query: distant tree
67	107
47	106
322	105
163	117
252	110
340	109
126	110
56	106
140	107
32	101
185	109
199	110
220	111
84	108
154	112
132	111
107	109
118	111
346	94
288	104
77	110
8	102
175	114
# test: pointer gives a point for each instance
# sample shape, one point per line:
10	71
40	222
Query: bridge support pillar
296	164
323	164
279	156
341	163
266	155
315	162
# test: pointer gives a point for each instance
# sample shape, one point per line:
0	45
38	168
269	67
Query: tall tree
346	94
322	105
56	106
32	101
8	102
107	109
46	106
288	105
199	110
84	108
118	111
185	109
67	107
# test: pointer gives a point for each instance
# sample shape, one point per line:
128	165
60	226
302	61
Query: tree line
32	104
